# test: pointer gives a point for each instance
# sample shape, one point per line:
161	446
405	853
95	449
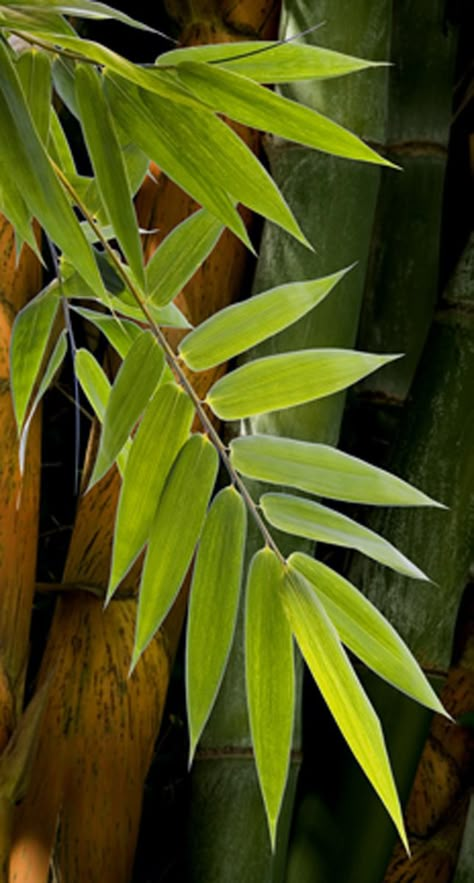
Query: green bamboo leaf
281	381
22	150
81	9
268	61
165	426
305	518
239	326
213	606
253	105
31	333
59	146
270	679
175	531
14	207
96	387
34	71
54	364
179	255
32	20
341	689
109	167
119	332
165	134
366	632
323	470
135	383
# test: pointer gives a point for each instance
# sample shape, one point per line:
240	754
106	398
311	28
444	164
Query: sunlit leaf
179	255
174	534
31	20
240	326
54	363
135	383
305	518
323	470
31	334
163	430
341	689
366	632
269	61
288	379
111	175
213	606
34	71
253	105
119	332
23	151
96	387
81	9
270	678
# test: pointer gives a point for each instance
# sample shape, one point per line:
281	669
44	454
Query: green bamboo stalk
335	202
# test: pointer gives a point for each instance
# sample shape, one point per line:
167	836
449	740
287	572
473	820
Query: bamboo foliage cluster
169	113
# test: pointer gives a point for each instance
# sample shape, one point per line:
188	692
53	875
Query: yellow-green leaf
281	381
270	679
341	689
174	533
119	332
305	518
165	426
96	387
213	606
239	326
34	71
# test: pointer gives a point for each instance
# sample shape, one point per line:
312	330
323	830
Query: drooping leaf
323	470
305	518
34	71
253	105
282	381
22	150
341	689
135	383
366	632
59	146
270	679
239	326
14	207
119	332
96	387
213	606
163	430
179	255
268	61
30	337
81	9
175	531
54	363
32	20
111	175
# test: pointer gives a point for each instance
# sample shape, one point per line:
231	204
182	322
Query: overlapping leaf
213	606
96	387
34	71
305	518
239	326
80	8
341	689
54	363
119	332
282	381
270	679
175	531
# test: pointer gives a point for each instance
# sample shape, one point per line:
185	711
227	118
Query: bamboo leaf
213	606
54	363
165	135
165	426
179	255
34	71
268	61
253	105
135	383
22	150
270	679
366	632
175	531
111	175
239	326
59	146
281	381
81	9
32	20
306	518
96	387
14	207
347	701
323	470
119	332
31	333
